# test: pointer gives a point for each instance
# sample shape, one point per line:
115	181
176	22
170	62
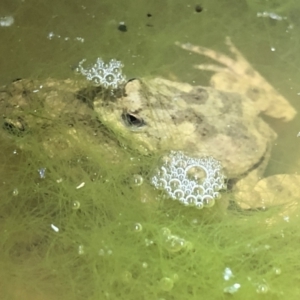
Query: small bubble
262	288
174	184
166	284
190	200
232	289
165	231
189	246
194	221
96	82
227	274
6	21
42	172
75	205
277	271
15	192
148	242
126	276
181	164
178	194
198	190
145	198
217	195
144	265
208	202
80	249
199	205
137	180
138	227
175	277
174	243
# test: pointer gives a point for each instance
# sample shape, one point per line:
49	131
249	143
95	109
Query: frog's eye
133	121
16	127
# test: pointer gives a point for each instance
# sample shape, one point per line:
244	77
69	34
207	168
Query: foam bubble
192	181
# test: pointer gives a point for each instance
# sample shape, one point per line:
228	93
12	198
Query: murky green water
101	241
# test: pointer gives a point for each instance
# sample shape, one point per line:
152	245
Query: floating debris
271	15
227	274
55	228
82	184
42	172
6	21
232	289
51	35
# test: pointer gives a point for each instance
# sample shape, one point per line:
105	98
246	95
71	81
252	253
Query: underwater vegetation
86	215
81	220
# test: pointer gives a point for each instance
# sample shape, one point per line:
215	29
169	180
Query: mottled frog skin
222	120
165	115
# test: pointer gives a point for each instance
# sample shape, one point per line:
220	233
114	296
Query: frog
156	115
222	120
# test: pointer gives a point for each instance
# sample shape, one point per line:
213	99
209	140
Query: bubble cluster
108	75
6	21
192	181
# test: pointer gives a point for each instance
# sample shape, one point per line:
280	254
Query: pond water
83	225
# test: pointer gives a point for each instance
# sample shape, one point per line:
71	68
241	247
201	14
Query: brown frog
222	121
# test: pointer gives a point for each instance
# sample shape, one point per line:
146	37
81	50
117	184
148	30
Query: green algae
64	241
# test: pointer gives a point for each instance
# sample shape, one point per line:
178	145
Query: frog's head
150	114
158	115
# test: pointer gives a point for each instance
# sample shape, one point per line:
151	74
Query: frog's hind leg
212	68
237	75
239	56
238	66
216	56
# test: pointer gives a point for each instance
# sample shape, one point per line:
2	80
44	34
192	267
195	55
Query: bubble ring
102	74
190	192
